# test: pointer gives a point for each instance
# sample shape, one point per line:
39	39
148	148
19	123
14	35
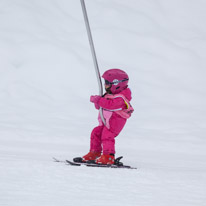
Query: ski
73	163
111	166
68	162
117	163
78	162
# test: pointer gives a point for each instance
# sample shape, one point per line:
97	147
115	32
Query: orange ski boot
91	156
105	159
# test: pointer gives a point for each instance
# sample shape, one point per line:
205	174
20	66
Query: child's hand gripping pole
95	99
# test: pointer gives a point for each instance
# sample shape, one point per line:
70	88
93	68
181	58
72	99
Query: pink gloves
95	99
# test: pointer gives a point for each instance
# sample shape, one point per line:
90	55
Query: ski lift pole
93	55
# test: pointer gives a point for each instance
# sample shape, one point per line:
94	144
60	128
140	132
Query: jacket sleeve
112	104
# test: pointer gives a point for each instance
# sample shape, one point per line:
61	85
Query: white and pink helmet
117	78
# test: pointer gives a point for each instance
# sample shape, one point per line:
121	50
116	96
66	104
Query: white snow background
47	77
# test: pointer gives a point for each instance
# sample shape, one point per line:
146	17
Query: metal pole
93	54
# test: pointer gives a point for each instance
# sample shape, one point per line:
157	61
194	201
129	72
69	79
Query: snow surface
47	77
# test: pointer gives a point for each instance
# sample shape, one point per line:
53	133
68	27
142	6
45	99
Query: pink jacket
114	121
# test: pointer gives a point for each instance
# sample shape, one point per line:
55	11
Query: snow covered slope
47	77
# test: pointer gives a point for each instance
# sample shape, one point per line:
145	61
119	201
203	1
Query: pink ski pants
103	139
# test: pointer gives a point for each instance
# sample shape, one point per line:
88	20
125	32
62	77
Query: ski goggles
115	81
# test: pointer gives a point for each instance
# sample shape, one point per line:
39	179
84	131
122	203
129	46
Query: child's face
107	88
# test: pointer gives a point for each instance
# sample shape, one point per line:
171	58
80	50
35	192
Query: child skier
116	110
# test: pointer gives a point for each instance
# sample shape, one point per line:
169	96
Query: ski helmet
117	78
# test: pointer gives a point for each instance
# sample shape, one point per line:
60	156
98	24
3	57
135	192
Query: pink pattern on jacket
104	135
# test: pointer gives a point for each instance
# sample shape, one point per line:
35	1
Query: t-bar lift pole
93	54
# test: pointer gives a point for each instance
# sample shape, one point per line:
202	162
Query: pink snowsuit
103	136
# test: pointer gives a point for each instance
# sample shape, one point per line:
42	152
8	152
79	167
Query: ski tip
55	159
